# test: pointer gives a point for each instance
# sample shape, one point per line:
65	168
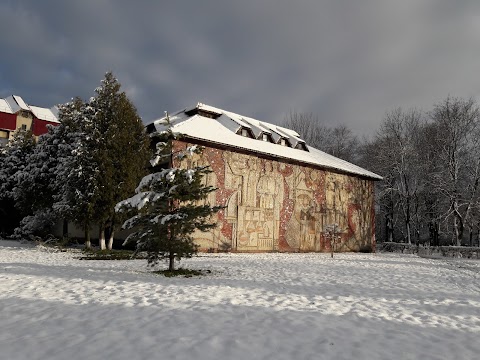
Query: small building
279	193
16	114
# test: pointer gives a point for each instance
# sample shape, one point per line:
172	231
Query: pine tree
166	209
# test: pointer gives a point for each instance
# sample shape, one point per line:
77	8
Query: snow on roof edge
373	176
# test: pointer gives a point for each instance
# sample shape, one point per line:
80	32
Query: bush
109	255
366	248
37	226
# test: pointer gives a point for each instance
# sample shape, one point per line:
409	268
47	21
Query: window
3	137
301	146
25	114
283	142
245	132
23	127
265	137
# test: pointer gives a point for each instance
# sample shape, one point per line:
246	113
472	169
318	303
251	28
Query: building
279	193
16	114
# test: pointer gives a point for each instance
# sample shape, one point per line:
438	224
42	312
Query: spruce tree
166	209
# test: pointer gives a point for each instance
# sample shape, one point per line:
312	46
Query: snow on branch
137	201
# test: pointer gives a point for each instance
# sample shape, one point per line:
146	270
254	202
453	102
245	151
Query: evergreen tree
13	160
121	152
39	181
166	208
36	186
78	170
85	165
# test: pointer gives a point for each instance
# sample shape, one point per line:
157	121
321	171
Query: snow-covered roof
14	103
22	104
5	107
210	124
44	113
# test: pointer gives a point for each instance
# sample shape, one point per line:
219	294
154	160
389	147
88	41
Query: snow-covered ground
252	306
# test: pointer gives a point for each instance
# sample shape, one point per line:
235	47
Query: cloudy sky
349	61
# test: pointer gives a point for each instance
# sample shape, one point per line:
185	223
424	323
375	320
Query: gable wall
24	118
277	206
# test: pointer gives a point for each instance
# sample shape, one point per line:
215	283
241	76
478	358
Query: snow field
252	306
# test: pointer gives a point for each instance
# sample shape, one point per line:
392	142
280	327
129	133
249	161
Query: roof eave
373	177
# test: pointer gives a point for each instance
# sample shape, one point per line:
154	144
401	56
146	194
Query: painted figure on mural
307	230
359	218
254	206
301	232
197	160
336	201
307	222
235	169
266	188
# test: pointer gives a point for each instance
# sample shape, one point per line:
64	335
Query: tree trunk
101	236
171	262
389	229
458	225
409	237
65	229
88	244
110	239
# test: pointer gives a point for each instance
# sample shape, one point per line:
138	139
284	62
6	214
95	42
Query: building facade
16	114
279	194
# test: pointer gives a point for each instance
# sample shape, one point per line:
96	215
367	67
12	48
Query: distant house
279	193
16	114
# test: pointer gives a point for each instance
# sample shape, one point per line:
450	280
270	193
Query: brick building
279	193
16	114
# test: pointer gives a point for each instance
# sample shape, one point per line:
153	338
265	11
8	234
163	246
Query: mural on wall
275	206
254	206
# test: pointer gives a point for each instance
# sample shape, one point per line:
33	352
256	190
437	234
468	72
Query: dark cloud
349	61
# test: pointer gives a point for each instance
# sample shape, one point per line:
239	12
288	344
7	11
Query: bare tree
338	141
431	201
394	154
342	143
458	145
307	125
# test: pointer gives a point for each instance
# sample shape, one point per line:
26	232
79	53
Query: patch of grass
54	242
182	272
108	255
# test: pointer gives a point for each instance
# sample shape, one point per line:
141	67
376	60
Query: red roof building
16	114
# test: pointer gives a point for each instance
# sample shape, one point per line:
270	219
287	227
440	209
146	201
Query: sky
346	61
